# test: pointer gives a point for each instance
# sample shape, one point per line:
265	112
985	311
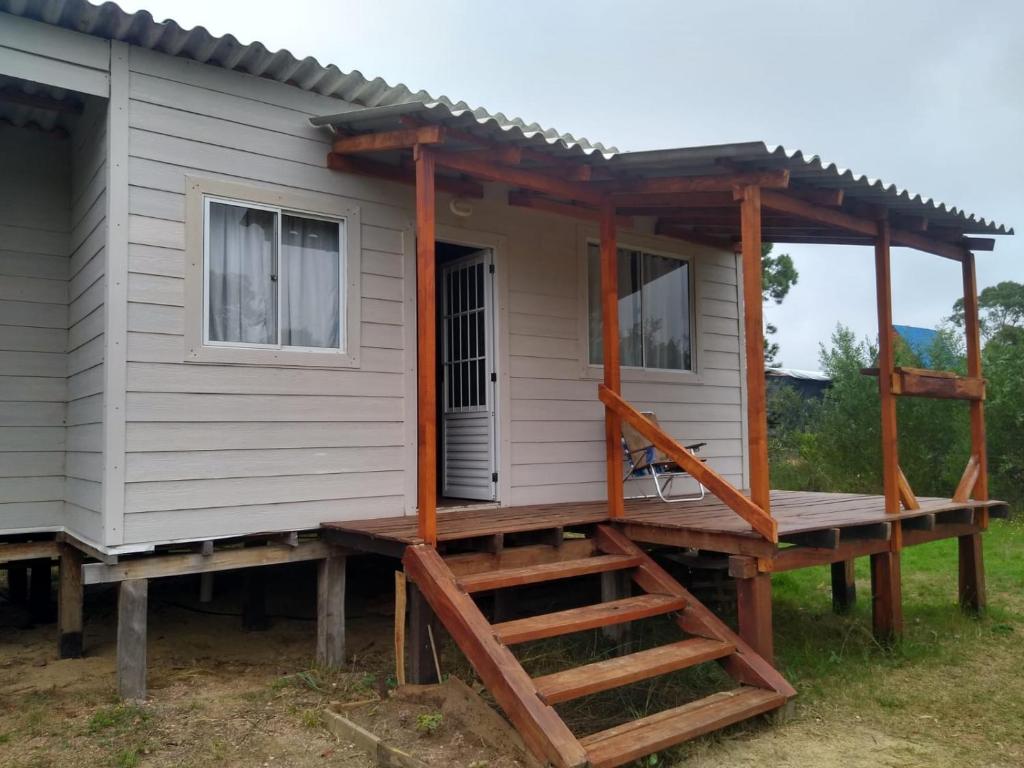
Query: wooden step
587	617
623	670
633	740
534	574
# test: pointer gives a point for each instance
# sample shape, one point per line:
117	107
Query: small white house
206	332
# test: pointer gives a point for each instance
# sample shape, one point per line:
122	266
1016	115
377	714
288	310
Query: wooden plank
629	741
806	557
720	199
623	670
844	586
519	557
156	566
587	617
533	574
753	324
887	597
920	382
826	538
422	624
971	573
610	350
539	725
28	550
426	346
759	520
519	177
745	665
540	203
330	612
681	184
132	607
907	497
968	480
361	166
405	138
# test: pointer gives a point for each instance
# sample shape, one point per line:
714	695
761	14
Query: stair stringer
745	665
539	724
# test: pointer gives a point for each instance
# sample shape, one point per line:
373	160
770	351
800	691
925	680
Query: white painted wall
35	190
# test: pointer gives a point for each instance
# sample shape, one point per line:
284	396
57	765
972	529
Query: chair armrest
694	446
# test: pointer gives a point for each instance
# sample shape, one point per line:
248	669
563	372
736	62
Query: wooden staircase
448	586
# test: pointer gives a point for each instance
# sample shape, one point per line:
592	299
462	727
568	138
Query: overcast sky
926	94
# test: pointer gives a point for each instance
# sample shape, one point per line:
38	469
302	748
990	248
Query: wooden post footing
132	606
886	596
844	586
972	573
754	612
330	612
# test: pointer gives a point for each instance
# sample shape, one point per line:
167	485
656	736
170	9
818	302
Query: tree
778	275
1000	306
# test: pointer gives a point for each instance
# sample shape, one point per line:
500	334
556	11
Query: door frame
497	244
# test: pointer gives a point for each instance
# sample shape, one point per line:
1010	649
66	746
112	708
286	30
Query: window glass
654	310
242	264
311	282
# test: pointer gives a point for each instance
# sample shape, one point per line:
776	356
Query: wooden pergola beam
537	202
405	138
520	177
720	199
361	166
720	183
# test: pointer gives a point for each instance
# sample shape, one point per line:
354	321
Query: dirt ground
221	696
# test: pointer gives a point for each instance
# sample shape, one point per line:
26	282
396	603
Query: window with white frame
655	311
272	278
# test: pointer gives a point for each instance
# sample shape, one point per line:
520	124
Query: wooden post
40	591
421	669
330	612
972	563
610	347
617	585
69	603
844	586
754	613
132	604
753	325
401	597
886	597
426	357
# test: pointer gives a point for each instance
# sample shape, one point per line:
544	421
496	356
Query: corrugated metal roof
24	103
376	100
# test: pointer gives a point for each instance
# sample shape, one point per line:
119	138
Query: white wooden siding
35	190
215	450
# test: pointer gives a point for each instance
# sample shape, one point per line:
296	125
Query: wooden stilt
40	593
254	601
401	598
330	612
616	585
132	606
886	596
754	613
972	573
844	586
421	669
69	603
610	351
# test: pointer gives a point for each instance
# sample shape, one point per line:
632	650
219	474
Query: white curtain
243	271
311	282
666	305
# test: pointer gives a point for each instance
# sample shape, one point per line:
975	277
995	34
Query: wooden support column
754	613
132	606
69	603
426	349
753	324
972	564
421	667
617	585
844	586
886	586
886	596
330	612
610	351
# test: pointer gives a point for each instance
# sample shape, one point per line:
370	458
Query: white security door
467	344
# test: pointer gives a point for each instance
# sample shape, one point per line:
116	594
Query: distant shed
807	383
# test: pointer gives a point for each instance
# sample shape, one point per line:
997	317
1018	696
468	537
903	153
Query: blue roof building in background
920	340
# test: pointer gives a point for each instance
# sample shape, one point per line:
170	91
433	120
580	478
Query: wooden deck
814	520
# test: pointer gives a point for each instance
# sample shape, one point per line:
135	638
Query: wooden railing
727	493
